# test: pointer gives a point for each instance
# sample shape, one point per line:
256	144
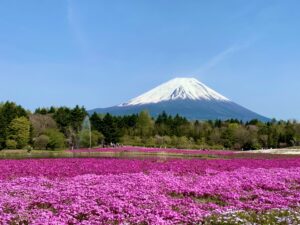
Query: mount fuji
187	97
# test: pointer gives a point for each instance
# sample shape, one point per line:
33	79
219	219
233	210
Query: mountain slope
177	89
187	97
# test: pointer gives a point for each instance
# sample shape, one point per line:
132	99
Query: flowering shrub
129	191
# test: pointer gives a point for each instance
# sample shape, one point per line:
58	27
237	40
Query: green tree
297	133
85	138
110	129
56	139
62	116
77	116
167	140
96	138
228	135
8	112
162	124
180	126
183	142
40	123
41	142
19	131
11	144
144	124
96	122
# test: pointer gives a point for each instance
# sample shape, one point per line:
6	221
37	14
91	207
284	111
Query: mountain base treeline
61	128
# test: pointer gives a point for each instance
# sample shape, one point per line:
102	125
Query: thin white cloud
76	29
222	56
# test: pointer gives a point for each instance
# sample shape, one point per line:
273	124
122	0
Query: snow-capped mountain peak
187	97
177	89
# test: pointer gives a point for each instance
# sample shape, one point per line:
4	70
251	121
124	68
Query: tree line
61	127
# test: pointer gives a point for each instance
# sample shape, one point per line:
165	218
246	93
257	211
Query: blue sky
100	53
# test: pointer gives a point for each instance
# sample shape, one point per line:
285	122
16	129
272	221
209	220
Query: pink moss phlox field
54	168
131	191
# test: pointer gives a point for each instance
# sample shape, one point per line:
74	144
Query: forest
61	128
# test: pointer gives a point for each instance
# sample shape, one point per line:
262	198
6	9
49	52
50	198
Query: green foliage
178	132
45	111
56	139
69	122
52	128
40	123
29	148
84	139
96	122
110	129
11	144
96	138
19	130
41	142
77	116
8	112
144	124
62	116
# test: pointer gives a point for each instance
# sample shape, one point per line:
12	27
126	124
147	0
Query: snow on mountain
177	89
187	97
